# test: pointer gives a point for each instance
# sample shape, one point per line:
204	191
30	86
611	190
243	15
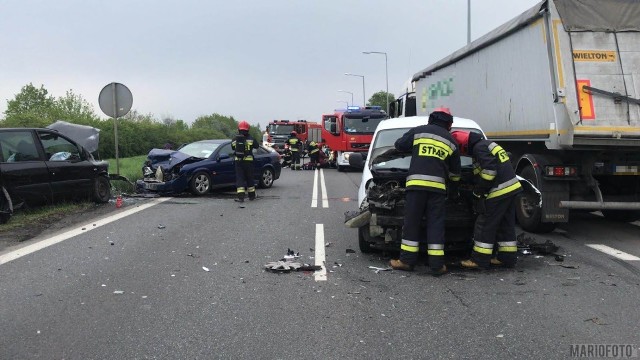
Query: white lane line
314	193
16	254
320	275
325	200
613	252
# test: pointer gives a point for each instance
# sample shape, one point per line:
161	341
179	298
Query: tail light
561	171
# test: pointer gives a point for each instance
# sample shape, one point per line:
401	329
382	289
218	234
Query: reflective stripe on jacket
435	158
294	143
494	170
250	144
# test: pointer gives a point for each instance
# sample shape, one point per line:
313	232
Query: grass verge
45	214
131	168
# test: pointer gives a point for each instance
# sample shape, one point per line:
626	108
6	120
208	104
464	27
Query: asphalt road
148	296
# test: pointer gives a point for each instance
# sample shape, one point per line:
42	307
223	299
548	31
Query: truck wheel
621	215
266	180
200	183
101	189
363	240
528	213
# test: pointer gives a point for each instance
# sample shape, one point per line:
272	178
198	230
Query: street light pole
468	22
343	101
348	92
386	71
364	102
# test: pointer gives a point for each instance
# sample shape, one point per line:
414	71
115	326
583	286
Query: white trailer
559	88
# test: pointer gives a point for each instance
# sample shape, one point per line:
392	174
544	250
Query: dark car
43	166
202	166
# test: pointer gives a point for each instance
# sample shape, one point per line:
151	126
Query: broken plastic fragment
161	226
351	251
500	336
378	269
205	268
119	292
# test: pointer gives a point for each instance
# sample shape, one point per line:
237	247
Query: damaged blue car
202	166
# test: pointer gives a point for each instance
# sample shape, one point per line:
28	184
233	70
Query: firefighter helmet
243	125
445	110
462	138
293	133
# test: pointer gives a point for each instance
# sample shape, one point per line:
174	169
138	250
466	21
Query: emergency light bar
353	107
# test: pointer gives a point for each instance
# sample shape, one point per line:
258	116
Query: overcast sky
253	59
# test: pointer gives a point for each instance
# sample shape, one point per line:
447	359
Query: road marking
320	275
613	252
325	200
16	254
314	194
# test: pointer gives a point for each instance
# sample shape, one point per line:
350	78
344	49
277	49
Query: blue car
202	166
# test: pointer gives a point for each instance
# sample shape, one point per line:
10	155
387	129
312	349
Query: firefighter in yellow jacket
495	191
243	146
295	145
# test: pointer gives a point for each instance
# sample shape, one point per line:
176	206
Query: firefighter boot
496	262
470	264
252	195
399	265
240	198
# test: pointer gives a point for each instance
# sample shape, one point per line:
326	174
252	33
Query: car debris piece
356	219
378	269
160	226
351	251
328	243
566	266
205	268
596	321
291	255
282	266
527	245
118	292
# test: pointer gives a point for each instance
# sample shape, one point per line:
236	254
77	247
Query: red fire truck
351	130
279	130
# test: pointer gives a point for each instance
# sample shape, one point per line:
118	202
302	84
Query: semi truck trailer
559	88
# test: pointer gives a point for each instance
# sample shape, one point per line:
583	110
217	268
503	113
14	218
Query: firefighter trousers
496	227
295	160
430	233
244	179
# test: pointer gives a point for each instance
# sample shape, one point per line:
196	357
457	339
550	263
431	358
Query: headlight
346	156
159	174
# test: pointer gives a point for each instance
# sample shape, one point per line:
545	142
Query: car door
70	172
224	166
23	170
260	159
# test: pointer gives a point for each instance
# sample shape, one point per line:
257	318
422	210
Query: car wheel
6	206
528	212
266	180
101	189
364	240
200	183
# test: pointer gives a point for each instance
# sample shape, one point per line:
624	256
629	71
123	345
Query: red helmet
293	133
243	125
445	110
462	138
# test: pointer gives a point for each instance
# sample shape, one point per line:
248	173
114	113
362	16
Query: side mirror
223	157
356	160
334	129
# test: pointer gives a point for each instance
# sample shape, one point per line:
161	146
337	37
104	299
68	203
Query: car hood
379	171
169	158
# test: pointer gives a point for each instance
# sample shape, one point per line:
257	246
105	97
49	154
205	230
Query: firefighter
314	154
295	145
243	146
495	191
435	157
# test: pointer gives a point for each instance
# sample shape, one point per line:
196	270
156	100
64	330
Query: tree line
137	133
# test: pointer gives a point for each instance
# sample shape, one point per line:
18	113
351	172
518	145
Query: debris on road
351	251
205	268
282	266
597	321
291	255
328	243
118	292
160	226
566	266
378	269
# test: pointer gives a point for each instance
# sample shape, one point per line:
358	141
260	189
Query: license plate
151	185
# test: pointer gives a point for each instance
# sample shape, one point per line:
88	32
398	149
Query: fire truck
279	131
350	130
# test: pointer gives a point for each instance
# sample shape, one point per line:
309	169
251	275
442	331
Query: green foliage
380	99
131	168
137	133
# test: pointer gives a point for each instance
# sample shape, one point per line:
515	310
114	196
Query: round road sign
115	100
